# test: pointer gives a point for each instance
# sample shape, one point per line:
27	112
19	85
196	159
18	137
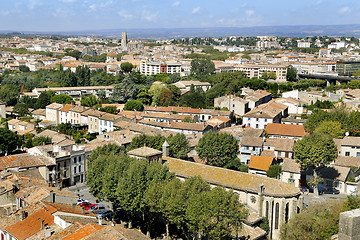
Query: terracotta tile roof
65	232
84	232
39	111
350	141
348	161
173	109
260	162
110	232
285	129
24	160
143	129
144	152
32	224
335	172
78	109
109	117
231	179
268	153
252	141
54	106
66	108
290	165
283	144
55	136
37	193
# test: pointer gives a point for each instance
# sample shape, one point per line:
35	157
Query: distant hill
165	33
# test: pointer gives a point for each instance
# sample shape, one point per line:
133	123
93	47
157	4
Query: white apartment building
152	68
233	103
75	92
256	71
302	44
52	112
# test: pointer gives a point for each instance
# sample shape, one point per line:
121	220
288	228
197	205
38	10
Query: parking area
83	192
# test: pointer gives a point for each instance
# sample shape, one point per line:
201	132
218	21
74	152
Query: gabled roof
84	232
348	161
24	160
66	108
260	162
54	106
230	178
32	224
144	152
290	165
350	141
285	129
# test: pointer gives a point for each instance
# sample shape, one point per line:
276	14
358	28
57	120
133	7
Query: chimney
52	196
47	232
42	224
165	149
8	211
23	215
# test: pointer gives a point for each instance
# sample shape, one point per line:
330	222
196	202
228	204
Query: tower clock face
253	199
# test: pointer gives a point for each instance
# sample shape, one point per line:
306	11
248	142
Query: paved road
83	191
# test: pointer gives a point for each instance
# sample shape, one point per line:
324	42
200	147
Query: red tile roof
260	162
285	129
32	224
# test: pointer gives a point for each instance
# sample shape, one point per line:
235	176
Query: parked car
84	204
331	191
88	207
98	208
80	200
105	214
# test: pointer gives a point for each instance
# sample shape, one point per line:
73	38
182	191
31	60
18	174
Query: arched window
277	216
267	210
286	212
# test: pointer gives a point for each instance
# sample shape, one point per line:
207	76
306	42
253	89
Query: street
311	198
83	191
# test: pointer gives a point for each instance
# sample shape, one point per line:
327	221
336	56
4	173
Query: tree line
157	202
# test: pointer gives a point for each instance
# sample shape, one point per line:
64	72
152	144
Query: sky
78	15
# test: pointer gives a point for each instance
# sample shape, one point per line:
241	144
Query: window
249	119
257	119
267	210
74	169
265	119
257	126
74	159
80	168
347	154
277	216
358	154
64	164
64	173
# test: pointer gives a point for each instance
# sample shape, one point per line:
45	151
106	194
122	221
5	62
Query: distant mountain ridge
167	33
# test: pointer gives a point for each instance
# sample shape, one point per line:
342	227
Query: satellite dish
347	134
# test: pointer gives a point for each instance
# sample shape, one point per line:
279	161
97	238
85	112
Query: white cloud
67	1
95	6
249	12
175	4
125	15
33	4
195	10
344	10
149	15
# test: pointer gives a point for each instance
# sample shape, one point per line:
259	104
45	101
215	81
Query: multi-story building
235	104
152	68
52	112
257	70
75	92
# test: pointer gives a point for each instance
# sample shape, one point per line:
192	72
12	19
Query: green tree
179	146
89	101
126	67
134	105
9	140
319	221
330	128
9	94
155	142
24	68
188	119
274	171
44	99
109	109
144	96
62	99
272	75
202	66
291	74
315	151
43	140
21	109
217	149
